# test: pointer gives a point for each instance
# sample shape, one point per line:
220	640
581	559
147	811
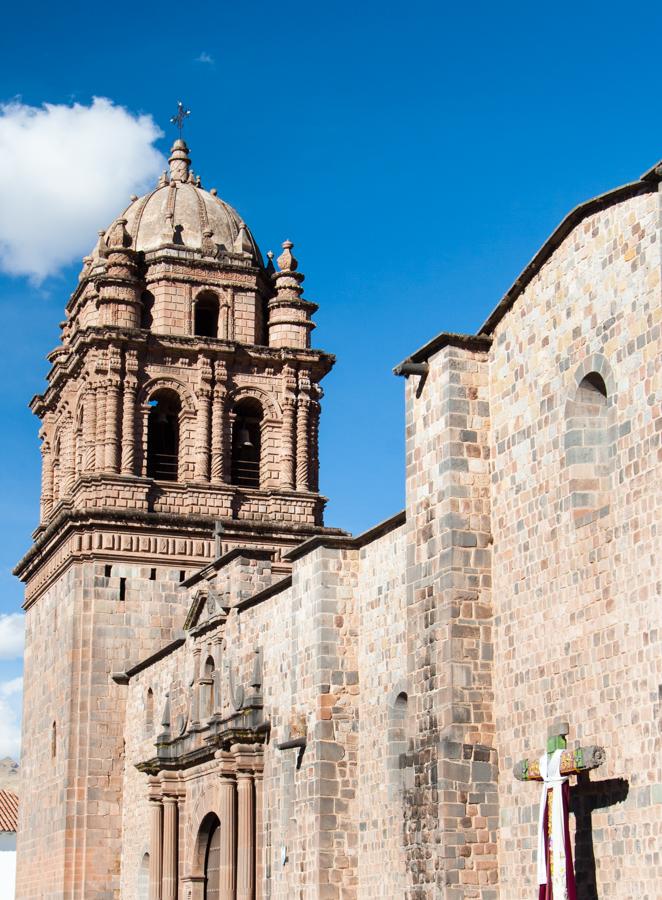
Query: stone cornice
69	360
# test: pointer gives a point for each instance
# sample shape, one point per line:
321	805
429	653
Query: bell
245	438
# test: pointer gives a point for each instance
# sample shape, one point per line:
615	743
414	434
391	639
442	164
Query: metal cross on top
182	114
556	878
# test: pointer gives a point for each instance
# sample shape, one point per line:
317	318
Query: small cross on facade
179	119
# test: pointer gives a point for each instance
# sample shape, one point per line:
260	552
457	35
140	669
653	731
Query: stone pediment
206	606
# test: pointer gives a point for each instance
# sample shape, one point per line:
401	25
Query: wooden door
213	865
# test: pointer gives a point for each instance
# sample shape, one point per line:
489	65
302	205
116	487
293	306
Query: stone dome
180	214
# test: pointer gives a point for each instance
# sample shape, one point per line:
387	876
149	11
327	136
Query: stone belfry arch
180	351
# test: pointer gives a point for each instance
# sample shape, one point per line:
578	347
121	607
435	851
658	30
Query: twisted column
228	827
155	848
129	414
169	890
245	837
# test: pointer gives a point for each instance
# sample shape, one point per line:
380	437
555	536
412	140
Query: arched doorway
210	837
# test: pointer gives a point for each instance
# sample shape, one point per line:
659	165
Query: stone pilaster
228	821
258	786
129	414
155	847
245	836
170	848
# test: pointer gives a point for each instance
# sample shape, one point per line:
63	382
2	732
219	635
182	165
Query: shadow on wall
585	797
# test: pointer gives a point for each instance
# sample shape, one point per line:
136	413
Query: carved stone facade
224	699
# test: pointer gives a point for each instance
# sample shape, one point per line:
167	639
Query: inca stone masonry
224	698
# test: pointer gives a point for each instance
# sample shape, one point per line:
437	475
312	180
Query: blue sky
416	154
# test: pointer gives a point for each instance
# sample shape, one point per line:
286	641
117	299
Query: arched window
163	436
588	449
206	315
146	309
53	740
246	443
149	710
207	689
398	765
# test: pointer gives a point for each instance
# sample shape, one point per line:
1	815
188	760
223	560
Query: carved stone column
46	480
155	847
100	438
202	441
68	472
89	429
129	414
170	847
315	410
245	836
218	474
303	457
228	832
288	434
112	409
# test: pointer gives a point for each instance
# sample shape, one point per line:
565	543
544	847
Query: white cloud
205	58
12	635
10	717
67	171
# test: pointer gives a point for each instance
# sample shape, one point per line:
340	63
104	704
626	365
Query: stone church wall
577	592
324	820
45	760
451	804
383	738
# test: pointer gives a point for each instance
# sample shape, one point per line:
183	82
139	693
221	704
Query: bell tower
182	402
